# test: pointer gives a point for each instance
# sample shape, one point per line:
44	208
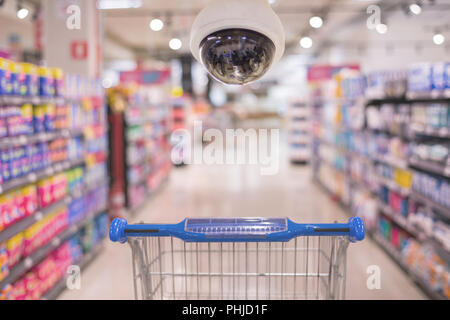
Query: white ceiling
132	25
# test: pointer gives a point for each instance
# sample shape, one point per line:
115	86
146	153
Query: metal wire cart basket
239	258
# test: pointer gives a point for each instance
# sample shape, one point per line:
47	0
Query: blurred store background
94	96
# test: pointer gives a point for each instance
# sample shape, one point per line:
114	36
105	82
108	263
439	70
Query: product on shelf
51	190
4	270
437	189
16	205
424	260
428	79
299	132
44	230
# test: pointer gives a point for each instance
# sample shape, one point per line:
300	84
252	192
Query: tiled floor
226	191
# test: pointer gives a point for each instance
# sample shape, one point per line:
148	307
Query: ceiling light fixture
438	39
316	22
306	42
175	44
118	4
22	13
381	28
415	8
156	25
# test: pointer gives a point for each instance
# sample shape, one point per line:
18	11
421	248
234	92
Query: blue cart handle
236	230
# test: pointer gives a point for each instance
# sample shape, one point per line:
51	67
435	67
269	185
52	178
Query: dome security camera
237	41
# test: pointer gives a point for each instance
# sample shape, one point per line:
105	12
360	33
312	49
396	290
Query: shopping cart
239	258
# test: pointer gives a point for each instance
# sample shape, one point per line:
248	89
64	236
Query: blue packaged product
419	78
3	126
49	117
16	162
447	76
45	82
438	76
5	77
39	118
27	118
26	160
14	79
34	164
4	72
6	164
76	250
29	80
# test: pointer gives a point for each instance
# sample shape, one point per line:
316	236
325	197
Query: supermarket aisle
202	191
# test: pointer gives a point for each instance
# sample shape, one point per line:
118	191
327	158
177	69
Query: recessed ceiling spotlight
438	39
156	25
306	42
415	8
175	44
381	28
316	22
22	12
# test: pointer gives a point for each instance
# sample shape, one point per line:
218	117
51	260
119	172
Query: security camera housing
252	15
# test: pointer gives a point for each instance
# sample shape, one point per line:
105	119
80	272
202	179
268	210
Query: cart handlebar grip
236	230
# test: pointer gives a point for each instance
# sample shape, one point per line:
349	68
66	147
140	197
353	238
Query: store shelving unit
344	155
415	275
32	260
140	144
87	113
85	261
299	132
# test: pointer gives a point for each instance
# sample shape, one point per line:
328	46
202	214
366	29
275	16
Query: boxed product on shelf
435	188
4	269
365	206
420	78
16	205
44	230
75	179
432	151
434	270
381	84
51	190
397	202
5	77
427	79
397	237
77	210
15	248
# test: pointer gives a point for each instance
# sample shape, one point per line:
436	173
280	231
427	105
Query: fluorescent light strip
119	4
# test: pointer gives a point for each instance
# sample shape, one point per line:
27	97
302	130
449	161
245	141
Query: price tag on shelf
28	262
32	177
38	216
49	171
447	171
23	140
66	133
56	242
443	132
